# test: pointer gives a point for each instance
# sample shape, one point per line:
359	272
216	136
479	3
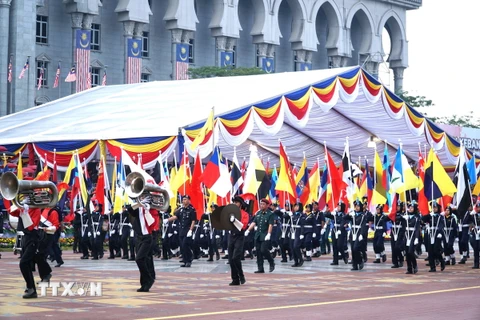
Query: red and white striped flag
89	79
25	68
82	58
57	76
9	77
182	70
134	61
104	79
40	79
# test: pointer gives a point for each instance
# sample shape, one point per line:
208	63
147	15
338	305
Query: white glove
302	236
290	213
217	237
405	217
201	236
473	213
247	232
98	233
189	234
255	228
439	236
416	241
282	211
339	233
432	214
170	234
146	206
62	234
352	213
165	221
89	234
360	238
322	232
113	231
232	218
175	232
334	213
384	235
314	235
267	237
25	207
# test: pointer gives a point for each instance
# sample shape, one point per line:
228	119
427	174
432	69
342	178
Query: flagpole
59	65
329	175
185	155
28	83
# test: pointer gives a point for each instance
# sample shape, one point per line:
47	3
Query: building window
191	56
95	41
95	77
42	65
145	44
234	56
42	29
145	77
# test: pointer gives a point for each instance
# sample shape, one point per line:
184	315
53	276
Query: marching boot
442	265
308	258
217	256
377	258
384	258
447	263
463	260
210	257
409	271
453	261
475	266
376	261
432	270
31	293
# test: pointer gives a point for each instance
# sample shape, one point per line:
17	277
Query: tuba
136	188
17	190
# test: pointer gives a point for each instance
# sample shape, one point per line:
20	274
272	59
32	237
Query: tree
212	72
420	101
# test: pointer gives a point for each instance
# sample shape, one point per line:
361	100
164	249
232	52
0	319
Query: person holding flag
412	233
397	234
236	242
359	227
436	236
380	229
339	232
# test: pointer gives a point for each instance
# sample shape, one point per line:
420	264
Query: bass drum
13	221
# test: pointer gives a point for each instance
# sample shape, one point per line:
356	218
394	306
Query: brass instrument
137	189
17	190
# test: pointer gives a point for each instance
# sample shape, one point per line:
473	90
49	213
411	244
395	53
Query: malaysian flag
9	77
104	79
57	76
72	75
25	68
134	60
82	59
40	79
182	61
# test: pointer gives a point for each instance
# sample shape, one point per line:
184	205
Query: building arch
361	26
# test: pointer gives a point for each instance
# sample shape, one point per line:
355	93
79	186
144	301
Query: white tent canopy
160	108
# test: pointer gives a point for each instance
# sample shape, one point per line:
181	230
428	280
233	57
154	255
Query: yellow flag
20	166
173	200
476	190
207	127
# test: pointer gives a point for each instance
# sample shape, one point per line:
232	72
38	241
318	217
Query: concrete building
279	36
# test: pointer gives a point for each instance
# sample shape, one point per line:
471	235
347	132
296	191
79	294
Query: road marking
216	313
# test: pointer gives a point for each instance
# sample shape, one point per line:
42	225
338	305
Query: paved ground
314	291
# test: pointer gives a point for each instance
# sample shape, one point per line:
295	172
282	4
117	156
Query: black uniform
124	233
451	231
297	224
412	233
185	216
463	236
434	241
339	235
397	239
77	232
113	236
86	226
359	227
380	225
285	236
96	235
475	238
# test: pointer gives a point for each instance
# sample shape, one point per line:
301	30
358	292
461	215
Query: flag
422	199
314	183
265	185
235	174
196	193
216	176
25	68
100	189
254	174
301	181
182	55
104	78
286	180
72	75
164	182
348	173
20	166
336	182
386	174
82	58
207	128
40	79
89	79
181	181
134	60
273	179
83	185
463	197
472	170
403	178
10	76
57	76
322	194
437	181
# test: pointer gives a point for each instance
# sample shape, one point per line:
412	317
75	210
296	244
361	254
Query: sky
443	61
